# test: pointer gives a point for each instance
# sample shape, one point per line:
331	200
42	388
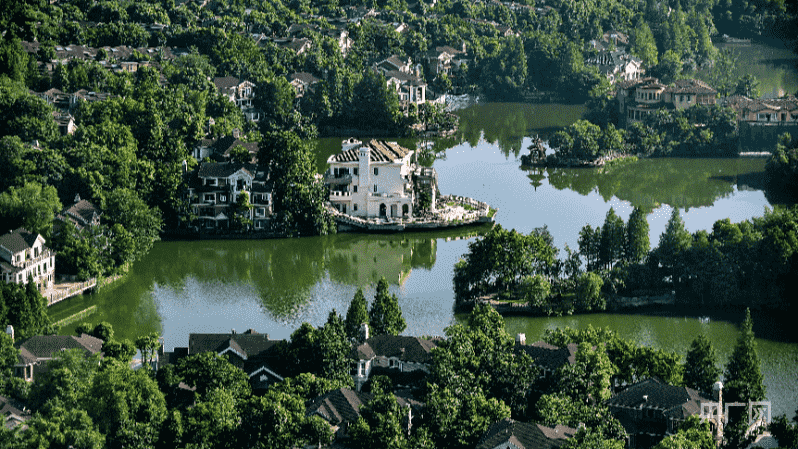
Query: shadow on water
648	183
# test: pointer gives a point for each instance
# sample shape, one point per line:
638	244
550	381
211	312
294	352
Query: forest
736	265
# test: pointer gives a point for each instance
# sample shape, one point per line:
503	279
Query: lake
273	286
774	67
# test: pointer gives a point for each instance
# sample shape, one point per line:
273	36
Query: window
354	188
375	188
376	172
354	171
354	206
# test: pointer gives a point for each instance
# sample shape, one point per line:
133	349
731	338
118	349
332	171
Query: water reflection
682	183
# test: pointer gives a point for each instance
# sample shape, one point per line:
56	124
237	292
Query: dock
451	211
61	291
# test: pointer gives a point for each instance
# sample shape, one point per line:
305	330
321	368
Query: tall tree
589	244
701	369
743	373
356	315
334	347
643	44
673	241
385	315
637	240
613	237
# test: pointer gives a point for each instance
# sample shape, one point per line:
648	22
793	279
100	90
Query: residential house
341	407
303	82
409	88
251	352
395	64
219	149
511	434
391	355
239	92
764	112
213	193
81	214
298	46
36	352
372	179
65	122
23	256
443	59
640	97
341	36
13	413
548	358
617	65
650	410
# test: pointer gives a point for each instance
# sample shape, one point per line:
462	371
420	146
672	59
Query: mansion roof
690	86
525	435
652	393
18	240
381	151
407	349
224	169
44	346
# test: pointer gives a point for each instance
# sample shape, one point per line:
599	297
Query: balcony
337	194
337	180
30	262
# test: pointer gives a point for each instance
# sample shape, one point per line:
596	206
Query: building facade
23	257
639	98
214	190
372	179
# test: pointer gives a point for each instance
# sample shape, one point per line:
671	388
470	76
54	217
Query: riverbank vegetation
782	169
747	264
478	375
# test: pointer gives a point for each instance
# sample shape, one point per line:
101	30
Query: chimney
364	331
10	331
520	339
232	331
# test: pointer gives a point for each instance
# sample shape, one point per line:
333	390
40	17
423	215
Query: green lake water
273	286
775	68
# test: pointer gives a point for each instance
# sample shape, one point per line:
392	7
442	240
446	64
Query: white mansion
376	179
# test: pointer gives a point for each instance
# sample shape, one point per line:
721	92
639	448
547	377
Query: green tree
748	86
587	381
701	369
299	198
274	420
459	420
385	316
126	405
589	246
61	427
692	433
588	292
27	309
66	382
637	240
148	345
743	375
31	206
334	347
382	422
356	315
613	237
672	242
643	44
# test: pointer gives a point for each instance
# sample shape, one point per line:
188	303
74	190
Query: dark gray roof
224	169
690	86
44	346
8	407
406	349
18	240
339	406
226	82
251	344
548	356
304	77
525	435
652	393
381	151
84	210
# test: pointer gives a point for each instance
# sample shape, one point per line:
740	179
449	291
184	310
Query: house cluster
81	214
648	410
377	179
639	97
117	59
767	112
612	58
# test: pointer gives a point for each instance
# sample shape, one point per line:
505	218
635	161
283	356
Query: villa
374	179
23	256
